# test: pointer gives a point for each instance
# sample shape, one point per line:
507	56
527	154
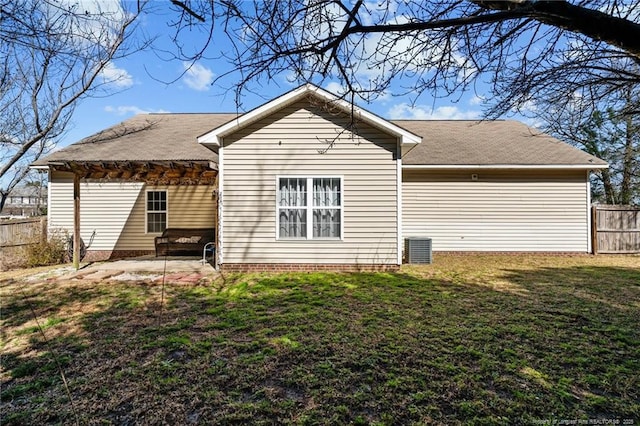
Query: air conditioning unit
418	250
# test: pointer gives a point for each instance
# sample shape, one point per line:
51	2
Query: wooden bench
181	241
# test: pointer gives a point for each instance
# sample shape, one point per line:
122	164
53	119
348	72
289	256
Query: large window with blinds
309	207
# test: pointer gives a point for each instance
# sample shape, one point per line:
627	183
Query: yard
470	339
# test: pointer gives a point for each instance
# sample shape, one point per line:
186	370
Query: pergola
150	172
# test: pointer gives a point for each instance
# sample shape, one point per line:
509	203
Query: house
310	181
25	201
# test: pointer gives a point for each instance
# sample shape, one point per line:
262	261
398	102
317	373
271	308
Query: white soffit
215	136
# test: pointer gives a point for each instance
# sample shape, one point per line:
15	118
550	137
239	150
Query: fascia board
505	166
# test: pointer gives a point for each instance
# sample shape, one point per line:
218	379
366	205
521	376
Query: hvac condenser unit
418	250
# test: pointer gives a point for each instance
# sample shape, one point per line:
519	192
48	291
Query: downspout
399	196
220	205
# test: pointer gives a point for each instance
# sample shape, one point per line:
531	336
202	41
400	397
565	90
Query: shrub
48	252
12	258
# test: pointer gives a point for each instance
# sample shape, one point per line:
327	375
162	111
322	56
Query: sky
146	83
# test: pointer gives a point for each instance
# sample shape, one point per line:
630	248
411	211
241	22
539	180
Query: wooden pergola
196	172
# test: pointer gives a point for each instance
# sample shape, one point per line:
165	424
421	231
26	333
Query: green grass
468	340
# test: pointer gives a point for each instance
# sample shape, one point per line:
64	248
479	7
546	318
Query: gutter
504	166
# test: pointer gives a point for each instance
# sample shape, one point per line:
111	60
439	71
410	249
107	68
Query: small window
309	208
156	211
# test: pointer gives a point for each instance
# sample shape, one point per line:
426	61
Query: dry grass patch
468	340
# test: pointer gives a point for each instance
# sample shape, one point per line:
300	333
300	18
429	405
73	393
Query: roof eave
506	166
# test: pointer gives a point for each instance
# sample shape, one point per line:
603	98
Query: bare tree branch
188	10
597	25
52	55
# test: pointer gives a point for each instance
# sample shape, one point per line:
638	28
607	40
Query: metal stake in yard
76	221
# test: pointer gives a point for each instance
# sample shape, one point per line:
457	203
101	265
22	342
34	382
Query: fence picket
15	233
616	229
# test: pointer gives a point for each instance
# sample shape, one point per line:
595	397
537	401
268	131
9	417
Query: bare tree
611	133
526	50
540	57
52	55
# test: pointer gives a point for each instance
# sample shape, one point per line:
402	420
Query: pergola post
76	221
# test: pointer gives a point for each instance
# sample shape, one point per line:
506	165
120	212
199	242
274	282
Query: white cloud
377	10
109	8
131	110
530	106
100	23
418	112
290	78
197	77
119	77
532	122
477	100
384	96
335	88
339	90
387	54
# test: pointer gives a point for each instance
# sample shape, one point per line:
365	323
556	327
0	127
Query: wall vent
418	250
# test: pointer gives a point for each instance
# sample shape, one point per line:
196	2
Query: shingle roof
28	191
486	143
173	137
146	137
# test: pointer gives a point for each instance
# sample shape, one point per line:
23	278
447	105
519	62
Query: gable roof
214	137
496	144
145	137
445	143
28	191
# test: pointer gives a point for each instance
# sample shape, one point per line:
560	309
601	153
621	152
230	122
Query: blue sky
147	83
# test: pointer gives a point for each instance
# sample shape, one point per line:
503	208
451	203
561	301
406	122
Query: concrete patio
171	264
173	269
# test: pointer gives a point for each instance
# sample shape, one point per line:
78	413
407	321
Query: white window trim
147	211
310	208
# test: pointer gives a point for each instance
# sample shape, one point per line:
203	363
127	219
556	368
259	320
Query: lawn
467	340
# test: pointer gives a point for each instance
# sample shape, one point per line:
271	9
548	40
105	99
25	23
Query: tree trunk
627	162
3	199
609	190
619	32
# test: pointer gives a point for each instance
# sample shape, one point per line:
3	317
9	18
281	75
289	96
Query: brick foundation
306	267
511	253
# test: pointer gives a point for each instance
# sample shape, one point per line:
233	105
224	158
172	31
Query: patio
173	269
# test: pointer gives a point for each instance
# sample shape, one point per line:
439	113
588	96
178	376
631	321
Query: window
156	211
309	207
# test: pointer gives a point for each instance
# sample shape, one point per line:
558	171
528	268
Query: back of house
309	181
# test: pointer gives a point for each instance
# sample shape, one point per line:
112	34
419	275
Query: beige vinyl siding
189	206
116	210
502	211
286	144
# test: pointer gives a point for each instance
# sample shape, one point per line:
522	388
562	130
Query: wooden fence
615	229
21	232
